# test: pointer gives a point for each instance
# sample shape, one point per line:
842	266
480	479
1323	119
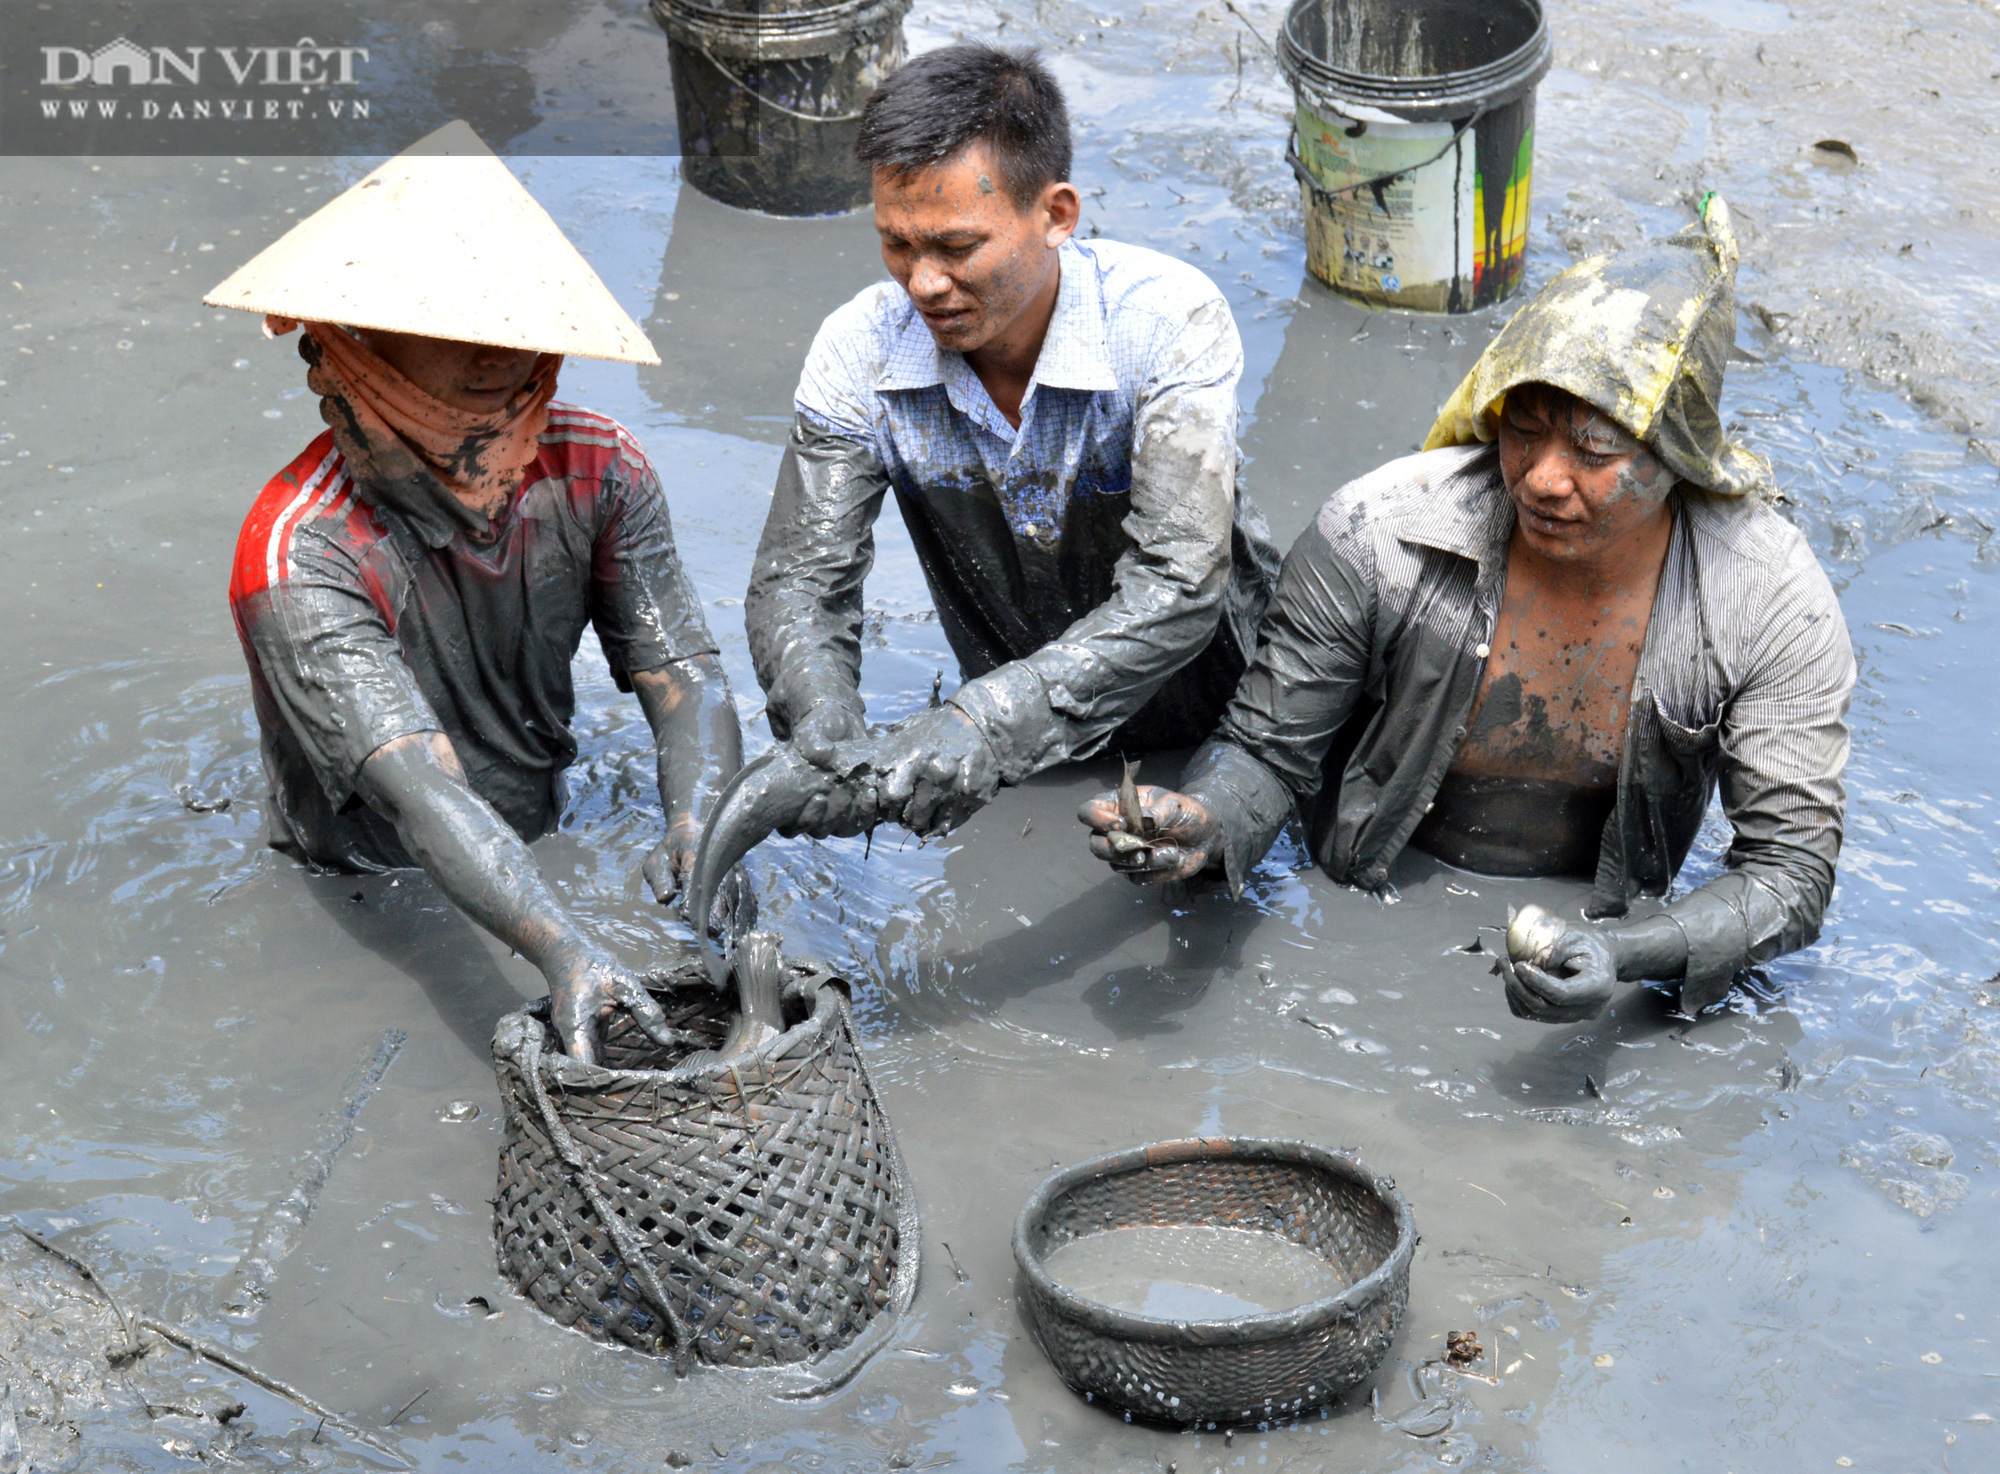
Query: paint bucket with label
1414	145
768	96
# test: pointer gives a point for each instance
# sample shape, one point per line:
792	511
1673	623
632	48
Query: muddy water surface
1754	1242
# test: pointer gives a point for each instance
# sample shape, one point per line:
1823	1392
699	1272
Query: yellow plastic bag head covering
1643	337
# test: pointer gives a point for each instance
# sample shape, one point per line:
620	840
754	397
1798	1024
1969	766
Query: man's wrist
801	689
1652	949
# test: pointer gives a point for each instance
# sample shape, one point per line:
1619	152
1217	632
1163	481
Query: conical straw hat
442	241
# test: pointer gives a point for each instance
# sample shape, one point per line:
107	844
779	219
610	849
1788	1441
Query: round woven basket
1251	1369
750	1213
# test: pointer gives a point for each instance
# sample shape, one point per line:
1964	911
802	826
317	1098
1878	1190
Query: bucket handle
621	1236
778	107
1324	195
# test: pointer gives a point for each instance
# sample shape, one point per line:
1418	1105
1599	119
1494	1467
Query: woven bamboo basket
753	1213
1251	1369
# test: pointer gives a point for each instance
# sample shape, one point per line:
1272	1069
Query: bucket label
1500	258
1405	241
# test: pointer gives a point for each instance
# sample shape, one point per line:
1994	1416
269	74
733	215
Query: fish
760	995
1532	934
759	1017
1129	807
768	793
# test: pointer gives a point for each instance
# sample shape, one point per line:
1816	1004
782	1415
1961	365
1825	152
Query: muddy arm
1784	742
1301	686
803	607
699	745
486	869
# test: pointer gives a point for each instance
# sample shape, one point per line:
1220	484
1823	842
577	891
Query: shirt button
1482	651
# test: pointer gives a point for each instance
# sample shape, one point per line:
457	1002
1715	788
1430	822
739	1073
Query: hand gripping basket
747	1213
1256	1367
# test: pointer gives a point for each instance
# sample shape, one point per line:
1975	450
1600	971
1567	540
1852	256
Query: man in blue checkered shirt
1057	419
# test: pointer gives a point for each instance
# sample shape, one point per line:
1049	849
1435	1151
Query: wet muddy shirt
1372	655
1095	570
363	624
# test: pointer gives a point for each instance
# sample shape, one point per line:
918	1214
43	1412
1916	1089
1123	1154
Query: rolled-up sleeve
1784	747
1309	673
1066	698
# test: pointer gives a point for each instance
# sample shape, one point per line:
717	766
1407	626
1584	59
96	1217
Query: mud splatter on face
1643	480
986	184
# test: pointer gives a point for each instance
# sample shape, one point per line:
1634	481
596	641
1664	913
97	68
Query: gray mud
1760	1240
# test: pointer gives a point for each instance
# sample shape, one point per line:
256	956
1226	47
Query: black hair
935	104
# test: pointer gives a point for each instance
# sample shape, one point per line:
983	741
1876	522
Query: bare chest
1556	692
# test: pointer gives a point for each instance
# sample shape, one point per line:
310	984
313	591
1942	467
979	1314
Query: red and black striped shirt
361	626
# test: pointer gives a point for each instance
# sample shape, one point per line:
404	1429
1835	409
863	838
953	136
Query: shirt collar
1467	512
1076	353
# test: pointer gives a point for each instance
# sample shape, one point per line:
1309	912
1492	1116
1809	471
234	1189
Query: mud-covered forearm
470	852
802	611
1249	803
1651	949
1766	906
697	739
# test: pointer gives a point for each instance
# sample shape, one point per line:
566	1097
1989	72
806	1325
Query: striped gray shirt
1367	669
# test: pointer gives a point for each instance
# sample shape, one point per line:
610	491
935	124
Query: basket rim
829	992
1347	1304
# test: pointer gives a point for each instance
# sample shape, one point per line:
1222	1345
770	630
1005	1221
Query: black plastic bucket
768	96
1414	145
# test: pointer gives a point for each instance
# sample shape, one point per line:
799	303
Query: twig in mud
1229	5
406	1407
208	1351
132	1348
963	1277
284	1223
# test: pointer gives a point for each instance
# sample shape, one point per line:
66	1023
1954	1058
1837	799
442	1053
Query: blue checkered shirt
1085	561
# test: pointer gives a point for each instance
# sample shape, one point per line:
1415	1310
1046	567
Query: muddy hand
937	770
670	866
1573	987
672	860
823	729
1182	838
584	991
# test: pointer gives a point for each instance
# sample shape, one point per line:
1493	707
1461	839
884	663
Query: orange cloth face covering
415	450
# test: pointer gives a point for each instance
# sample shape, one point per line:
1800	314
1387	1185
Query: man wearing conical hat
410	591
1541	645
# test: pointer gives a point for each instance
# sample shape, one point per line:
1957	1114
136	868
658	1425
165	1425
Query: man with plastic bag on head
1541	644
